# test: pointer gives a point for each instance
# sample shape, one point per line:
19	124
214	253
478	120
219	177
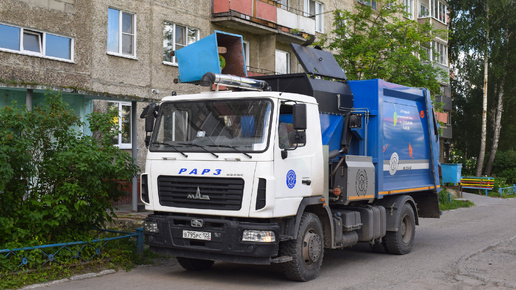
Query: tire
401	241
194	264
307	250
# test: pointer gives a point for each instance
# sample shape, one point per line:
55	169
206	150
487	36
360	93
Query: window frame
121	33
246	47
174	42
371	3
287	59
438	11
442	49
42	43
318	14
409	8
119	105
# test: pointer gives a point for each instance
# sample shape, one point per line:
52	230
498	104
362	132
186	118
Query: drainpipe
134	142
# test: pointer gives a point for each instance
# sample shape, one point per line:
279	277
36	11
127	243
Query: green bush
505	166
57	183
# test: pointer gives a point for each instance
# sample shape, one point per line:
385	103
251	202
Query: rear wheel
401	241
194	264
307	250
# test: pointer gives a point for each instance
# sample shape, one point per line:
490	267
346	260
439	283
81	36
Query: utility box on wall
203	56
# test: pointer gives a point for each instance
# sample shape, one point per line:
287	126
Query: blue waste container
451	173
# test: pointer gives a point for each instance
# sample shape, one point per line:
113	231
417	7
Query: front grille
201	192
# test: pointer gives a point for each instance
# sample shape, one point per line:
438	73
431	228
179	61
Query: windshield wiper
232	147
203	147
170	145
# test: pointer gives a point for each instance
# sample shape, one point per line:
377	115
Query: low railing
507	190
82	251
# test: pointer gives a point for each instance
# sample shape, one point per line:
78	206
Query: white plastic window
121	33
36	43
123	122
175	37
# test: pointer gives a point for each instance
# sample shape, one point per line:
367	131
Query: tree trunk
481	155
499	110
498	127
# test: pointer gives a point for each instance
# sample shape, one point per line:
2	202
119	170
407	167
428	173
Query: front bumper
226	239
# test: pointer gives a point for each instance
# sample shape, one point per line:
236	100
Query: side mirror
149	114
299	117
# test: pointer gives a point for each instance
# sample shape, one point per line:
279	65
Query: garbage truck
279	168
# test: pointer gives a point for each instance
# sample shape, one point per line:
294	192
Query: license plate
195	235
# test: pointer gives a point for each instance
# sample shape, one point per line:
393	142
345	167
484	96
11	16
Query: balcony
263	17
447	102
435	11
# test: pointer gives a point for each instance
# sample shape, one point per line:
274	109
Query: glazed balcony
263	17
435	11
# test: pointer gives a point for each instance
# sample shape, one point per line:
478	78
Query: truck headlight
151	227
258	236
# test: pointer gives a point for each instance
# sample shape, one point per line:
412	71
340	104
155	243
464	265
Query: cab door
293	155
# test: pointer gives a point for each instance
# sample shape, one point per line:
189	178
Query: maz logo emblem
198	195
197	223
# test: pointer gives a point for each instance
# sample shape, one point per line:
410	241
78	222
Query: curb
73	278
464	272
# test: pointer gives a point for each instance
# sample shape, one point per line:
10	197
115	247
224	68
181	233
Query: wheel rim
406	229
312	247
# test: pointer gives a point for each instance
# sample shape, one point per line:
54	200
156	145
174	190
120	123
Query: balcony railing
270	14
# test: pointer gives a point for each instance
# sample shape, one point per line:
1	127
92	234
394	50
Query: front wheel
307	250
194	264
401	241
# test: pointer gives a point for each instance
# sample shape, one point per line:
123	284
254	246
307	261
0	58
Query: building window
371	3
282	62
315	9
439	10
246	53
409	8
441	55
121	33
35	43
32	41
283	4
175	37
123	121
423	11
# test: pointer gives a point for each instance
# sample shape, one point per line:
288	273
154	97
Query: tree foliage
469	44
57	183
382	43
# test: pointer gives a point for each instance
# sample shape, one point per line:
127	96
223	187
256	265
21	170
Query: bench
480	183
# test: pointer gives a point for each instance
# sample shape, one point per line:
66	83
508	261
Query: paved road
473	248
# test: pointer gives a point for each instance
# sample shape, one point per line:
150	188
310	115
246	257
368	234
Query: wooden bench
480	183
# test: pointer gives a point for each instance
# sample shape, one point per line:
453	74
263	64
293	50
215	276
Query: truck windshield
213	126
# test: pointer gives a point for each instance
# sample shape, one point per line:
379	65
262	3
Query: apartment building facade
119	53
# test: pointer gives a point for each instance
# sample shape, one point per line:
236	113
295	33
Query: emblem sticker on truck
393	163
291	179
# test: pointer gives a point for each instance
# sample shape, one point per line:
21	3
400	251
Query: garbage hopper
451	173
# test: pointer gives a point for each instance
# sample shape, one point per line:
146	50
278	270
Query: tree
482	32
57	183
371	43
483	138
503	46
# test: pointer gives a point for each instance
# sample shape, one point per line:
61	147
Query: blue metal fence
82	251
507	190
